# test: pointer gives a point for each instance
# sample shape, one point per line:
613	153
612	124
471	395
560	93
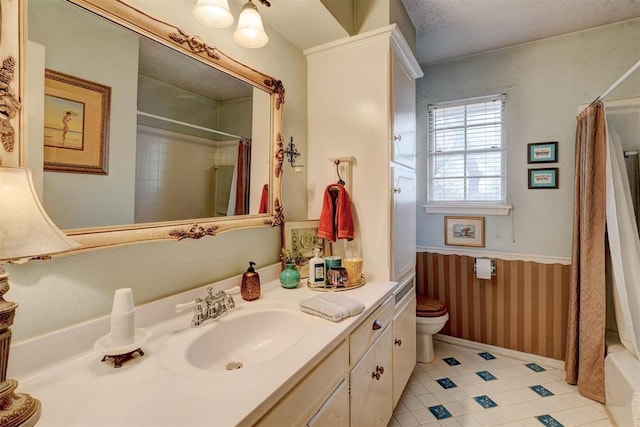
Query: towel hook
340	181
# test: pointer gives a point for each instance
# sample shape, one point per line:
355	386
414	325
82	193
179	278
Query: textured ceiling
447	29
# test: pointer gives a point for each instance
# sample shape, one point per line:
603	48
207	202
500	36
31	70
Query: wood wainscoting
523	307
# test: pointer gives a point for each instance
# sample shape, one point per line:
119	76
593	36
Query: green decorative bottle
289	277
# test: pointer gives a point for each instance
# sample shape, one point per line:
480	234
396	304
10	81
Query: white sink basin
236	342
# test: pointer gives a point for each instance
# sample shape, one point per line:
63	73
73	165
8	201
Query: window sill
467	209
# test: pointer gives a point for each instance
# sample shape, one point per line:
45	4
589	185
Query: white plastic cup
122	329
122	301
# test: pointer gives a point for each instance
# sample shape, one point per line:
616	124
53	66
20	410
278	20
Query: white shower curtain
624	246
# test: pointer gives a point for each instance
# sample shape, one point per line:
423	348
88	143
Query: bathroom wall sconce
292	153
249	32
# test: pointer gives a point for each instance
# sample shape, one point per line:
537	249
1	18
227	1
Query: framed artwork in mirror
76	122
464	231
302	236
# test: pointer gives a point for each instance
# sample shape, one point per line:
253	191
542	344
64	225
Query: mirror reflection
184	140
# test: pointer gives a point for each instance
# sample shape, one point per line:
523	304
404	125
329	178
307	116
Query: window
466	152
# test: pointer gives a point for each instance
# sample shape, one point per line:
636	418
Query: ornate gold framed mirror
131	183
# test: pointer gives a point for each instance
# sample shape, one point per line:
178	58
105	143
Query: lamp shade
213	13
25	228
250	32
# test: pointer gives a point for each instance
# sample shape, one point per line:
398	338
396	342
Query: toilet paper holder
493	265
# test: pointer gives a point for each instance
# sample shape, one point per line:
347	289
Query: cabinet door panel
370	395
335	411
404	117
403	243
404	347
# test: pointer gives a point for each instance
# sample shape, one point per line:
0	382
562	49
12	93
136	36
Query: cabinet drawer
310	393
369	330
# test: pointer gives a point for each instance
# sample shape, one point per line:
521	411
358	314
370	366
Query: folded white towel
332	306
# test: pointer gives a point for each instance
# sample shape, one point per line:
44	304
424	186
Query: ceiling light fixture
249	32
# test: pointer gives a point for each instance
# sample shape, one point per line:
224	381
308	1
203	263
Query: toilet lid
429	307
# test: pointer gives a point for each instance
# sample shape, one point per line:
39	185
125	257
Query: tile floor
465	387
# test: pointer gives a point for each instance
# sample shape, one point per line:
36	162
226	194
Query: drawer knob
398	342
397	137
397	190
377	325
380	369
375	375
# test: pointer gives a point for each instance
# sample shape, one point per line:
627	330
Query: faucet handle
198	316
182	307
228	299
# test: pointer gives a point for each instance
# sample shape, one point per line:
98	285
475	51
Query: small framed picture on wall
464	231
542	152
543	178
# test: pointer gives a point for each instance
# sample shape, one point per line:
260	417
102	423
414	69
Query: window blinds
466	151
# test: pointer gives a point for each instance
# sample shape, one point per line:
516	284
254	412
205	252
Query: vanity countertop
81	390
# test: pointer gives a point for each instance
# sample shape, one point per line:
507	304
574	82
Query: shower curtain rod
165	119
618	82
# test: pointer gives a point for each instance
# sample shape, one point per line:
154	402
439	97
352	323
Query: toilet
431	316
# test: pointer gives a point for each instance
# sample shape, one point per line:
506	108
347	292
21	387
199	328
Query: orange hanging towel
336	221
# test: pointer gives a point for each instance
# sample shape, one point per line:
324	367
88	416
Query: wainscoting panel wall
523	307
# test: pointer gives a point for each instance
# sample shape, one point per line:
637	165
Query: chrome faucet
211	307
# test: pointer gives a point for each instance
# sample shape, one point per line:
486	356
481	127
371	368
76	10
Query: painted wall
68	290
545	82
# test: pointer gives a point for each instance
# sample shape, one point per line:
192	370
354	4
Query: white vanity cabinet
317	396
361	104
352	386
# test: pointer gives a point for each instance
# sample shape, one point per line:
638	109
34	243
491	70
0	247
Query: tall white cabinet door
404	116
404	347
371	385
403	222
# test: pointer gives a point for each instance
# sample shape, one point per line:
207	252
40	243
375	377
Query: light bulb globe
213	13
250	32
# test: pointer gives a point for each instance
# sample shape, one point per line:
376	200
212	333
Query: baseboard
514	354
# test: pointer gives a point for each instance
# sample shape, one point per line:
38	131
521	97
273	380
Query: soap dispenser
250	289
316	269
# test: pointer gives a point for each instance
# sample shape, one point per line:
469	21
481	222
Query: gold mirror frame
12	17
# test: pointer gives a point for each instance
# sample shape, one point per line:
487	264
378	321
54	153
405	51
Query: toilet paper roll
483	268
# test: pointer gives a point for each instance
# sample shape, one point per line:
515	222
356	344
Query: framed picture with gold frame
76	124
464	231
303	237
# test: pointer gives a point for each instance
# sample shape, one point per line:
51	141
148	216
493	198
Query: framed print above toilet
464	231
